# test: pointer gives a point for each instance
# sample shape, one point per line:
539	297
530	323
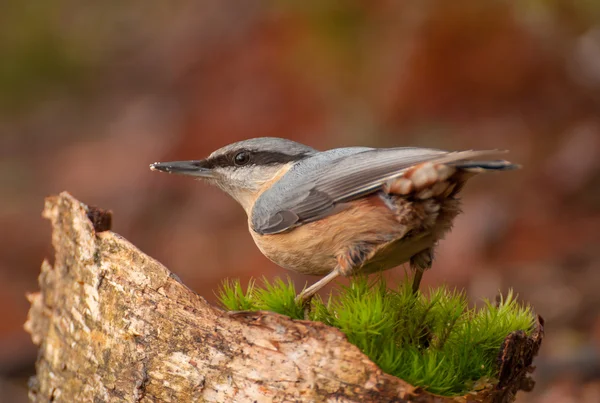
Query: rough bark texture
112	324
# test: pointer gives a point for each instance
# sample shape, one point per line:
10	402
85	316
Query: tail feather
497	165
465	160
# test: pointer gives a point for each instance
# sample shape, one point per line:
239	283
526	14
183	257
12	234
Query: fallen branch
112	324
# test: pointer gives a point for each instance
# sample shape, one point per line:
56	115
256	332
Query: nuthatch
341	211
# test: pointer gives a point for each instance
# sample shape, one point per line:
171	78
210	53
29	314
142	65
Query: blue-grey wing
314	187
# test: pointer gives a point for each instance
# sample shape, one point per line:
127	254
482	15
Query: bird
343	211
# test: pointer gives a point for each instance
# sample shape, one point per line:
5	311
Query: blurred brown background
91	93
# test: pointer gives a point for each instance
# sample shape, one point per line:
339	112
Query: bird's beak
189	168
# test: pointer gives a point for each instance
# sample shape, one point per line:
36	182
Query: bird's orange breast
312	248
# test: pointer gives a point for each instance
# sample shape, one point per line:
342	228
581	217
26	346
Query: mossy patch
433	340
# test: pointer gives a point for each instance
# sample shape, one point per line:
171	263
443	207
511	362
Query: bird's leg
347	263
419	263
306	295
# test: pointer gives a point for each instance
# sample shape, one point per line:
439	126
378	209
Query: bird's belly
299	250
313	248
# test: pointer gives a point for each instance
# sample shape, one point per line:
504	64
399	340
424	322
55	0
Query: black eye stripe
273	157
255	158
218	161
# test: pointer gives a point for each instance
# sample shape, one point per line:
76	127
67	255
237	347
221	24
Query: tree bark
113	324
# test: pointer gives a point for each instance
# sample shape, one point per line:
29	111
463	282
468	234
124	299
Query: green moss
435	341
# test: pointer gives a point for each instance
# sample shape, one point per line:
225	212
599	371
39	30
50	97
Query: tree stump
113	324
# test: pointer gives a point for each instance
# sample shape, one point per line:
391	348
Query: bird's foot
419	263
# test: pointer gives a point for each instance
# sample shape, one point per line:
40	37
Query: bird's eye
241	158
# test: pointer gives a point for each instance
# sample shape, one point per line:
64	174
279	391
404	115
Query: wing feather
313	187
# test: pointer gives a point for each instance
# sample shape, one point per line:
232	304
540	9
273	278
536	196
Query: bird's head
242	169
